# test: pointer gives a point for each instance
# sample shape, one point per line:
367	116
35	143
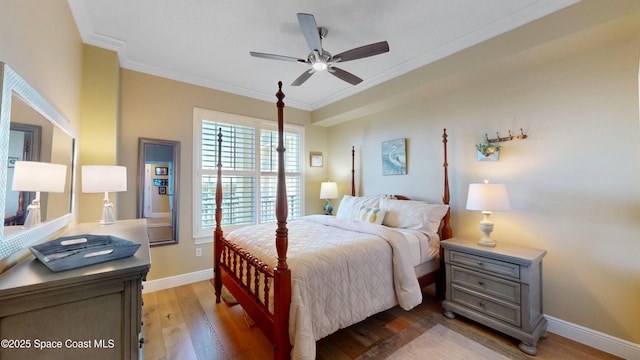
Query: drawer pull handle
481	304
480	263
480	283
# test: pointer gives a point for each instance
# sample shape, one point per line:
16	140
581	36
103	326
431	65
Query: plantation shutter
249	173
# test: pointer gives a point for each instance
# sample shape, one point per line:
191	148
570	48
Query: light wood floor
184	323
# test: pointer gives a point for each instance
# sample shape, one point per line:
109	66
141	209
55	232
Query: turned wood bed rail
251	281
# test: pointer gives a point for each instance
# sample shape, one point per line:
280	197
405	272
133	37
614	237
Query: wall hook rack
511	137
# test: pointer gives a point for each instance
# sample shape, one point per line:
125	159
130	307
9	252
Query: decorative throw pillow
370	215
350	205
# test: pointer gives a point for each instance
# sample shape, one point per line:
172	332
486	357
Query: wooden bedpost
217	234
353	171
446	232
282	274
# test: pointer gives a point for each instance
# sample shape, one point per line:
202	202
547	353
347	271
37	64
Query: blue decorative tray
70	252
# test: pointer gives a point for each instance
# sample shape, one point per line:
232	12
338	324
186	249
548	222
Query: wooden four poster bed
272	296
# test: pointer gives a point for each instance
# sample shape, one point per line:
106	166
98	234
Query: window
249	170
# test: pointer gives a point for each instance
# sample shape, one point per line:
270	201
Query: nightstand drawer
496	287
503	311
489	265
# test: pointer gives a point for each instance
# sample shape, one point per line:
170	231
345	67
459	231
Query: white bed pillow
413	214
350	205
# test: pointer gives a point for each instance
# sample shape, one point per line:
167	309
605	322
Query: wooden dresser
93	312
499	287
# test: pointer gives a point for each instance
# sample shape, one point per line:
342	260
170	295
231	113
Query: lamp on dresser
34	176
328	191
104	178
487	198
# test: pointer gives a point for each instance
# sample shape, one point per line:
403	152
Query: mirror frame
14	84
142	142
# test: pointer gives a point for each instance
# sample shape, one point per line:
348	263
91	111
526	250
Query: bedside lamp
487	198
39	177
104	178
328	191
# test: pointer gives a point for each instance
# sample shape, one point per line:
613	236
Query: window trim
203	236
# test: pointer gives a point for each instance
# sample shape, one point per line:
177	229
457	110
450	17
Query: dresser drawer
503	311
490	285
496	267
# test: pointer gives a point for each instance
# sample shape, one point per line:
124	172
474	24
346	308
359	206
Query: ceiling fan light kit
319	66
320	59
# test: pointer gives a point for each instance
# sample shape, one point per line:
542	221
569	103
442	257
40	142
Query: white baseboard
607	343
178	280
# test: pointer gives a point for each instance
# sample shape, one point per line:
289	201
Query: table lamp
39	177
104	178
328	191
487	198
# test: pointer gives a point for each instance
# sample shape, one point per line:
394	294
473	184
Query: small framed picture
315	159
162	170
12	161
160	182
162	190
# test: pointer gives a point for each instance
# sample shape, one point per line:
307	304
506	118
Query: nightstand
499	287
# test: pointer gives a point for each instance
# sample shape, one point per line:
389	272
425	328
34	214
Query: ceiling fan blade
302	78
345	75
363	52
275	57
310	31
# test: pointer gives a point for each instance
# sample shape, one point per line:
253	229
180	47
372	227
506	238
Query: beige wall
158	108
49	60
574	184
98	130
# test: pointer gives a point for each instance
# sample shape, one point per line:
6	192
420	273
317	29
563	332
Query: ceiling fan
320	59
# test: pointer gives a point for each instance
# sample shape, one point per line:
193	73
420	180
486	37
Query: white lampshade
328	190
489	197
39	176
103	178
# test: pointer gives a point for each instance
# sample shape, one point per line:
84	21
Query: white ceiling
207	42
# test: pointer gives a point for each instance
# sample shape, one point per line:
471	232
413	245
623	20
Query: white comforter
342	272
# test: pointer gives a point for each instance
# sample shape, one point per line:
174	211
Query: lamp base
328	209
33	216
107	215
486	225
487	242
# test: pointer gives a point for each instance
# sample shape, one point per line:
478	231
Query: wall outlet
198	252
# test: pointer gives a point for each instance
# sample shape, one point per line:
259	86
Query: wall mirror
158	196
31	129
